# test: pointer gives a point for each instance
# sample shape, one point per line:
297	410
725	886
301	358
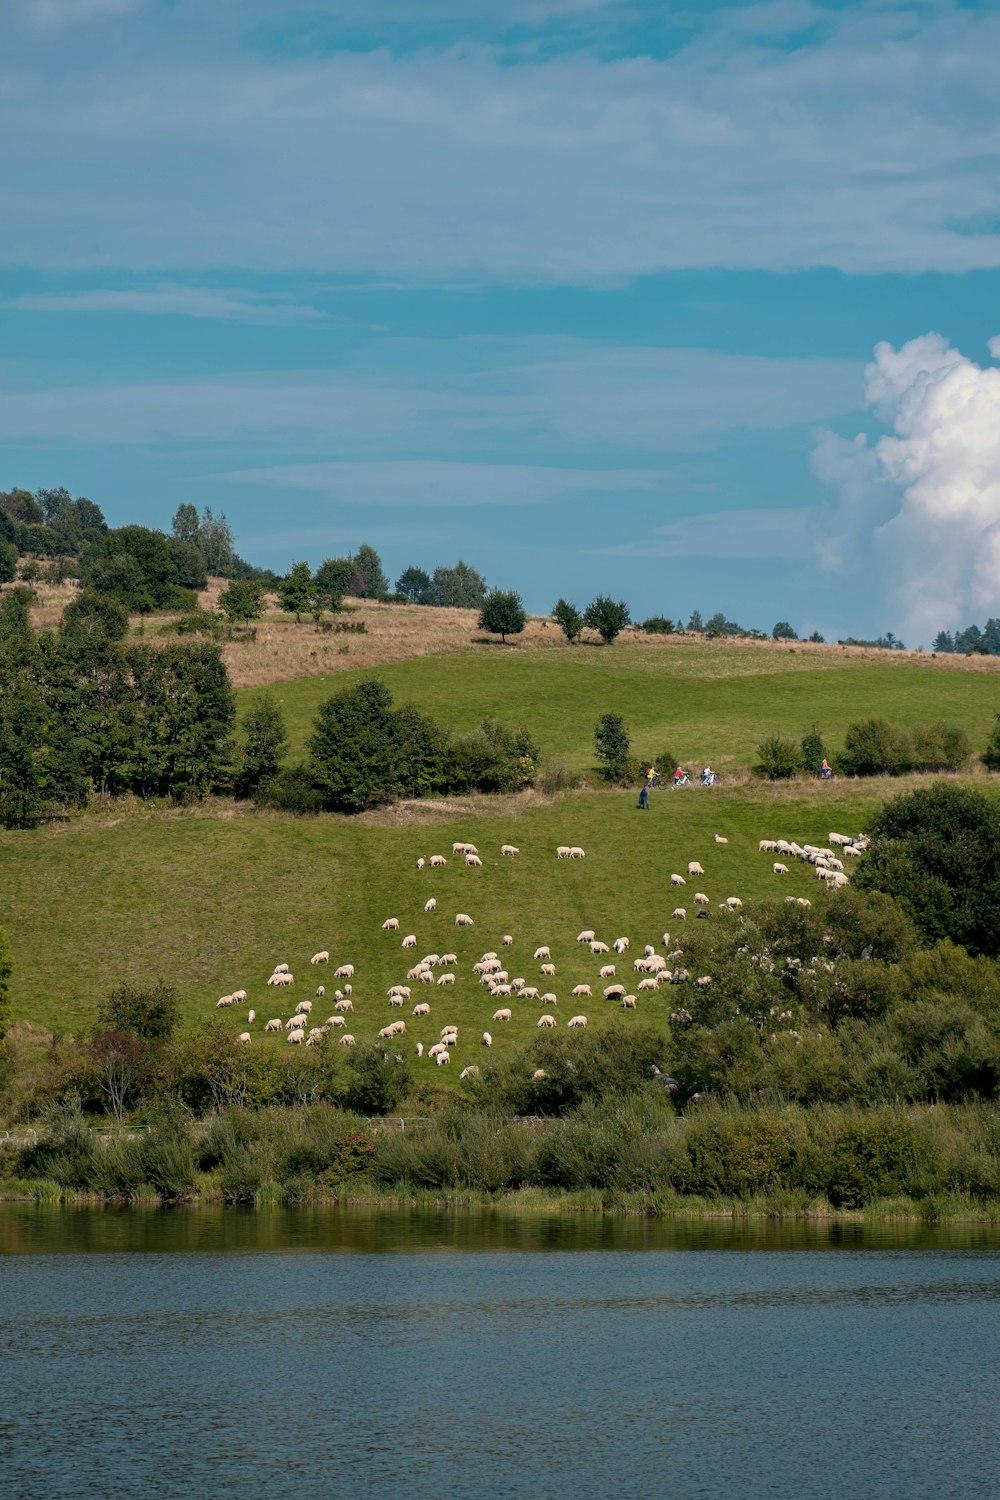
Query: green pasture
701	702
213	903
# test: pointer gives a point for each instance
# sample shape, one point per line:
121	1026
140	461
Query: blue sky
586	292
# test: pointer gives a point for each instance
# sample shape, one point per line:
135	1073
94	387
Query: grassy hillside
701	701
211	903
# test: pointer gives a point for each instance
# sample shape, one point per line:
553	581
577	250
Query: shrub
612	744
874	747
939	747
814	751
658	625
607	616
778	758
873	1157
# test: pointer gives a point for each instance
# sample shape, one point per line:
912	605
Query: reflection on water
757	1359
27	1229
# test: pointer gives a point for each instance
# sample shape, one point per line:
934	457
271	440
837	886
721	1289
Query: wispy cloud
184	146
224	305
466	398
429	484
760	533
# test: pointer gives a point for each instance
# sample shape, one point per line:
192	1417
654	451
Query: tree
263	746
502	613
6	969
332	581
416	586
937	852
784	632
607	616
216	543
243	600
296	591
813	748
94	616
778	758
695	621
8	562
351	758
145	569
122	1067
368	564
150	1012
612	743
817	639
185	526
460	587
874	747
568	618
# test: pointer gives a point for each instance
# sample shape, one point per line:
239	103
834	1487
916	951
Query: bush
873	1158
874	747
939	747
658	625
612	744
778	758
814	751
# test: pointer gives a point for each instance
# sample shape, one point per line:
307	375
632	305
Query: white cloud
859	148
481	398
429	483
753	533
938	475
225	305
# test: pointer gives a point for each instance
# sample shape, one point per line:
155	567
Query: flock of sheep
492	973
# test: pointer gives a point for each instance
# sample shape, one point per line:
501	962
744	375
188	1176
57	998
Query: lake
330	1353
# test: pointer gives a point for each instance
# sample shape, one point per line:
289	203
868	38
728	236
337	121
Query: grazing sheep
734	903
720	840
704	981
779	868
274	1024
430	903
386	1033
251	1017
472	1071
320	958
399	989
295	1038
462	919
437	1049
676	879
694	868
767	846
395	999
391	924
303	1007
648	984
421	862
548	969
577	1021
346	971
586	936
240	996
545	1021
802	901
423	1009
563	851
487	1039
509	849
442	1058
577	853
437	860
507	940
347	1040
620	945
420	1049
293	1023
607	972
244	1037
344	1004
446	979
225	1000
581	989
549	998
410	940
628	1001
599	947
666	940
281	969
542	952
320	991
460	848
501	1015
473	859
700	899
679	914
336	1021
529	992
614	992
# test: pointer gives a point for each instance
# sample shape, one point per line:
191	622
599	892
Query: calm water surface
326	1354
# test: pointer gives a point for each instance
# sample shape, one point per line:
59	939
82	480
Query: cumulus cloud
927	495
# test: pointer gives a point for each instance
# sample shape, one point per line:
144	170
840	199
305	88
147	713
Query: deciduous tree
502	613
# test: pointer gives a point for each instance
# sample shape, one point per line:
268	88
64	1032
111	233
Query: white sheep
767	846
422	1009
507	940
700	899
409	941
346	971
577	1021
501	1015
614	992
442	1058
586	936
343	1004
462	919
563	851
395	1000
240	996
281	969
320	991
225	1000
446	979
386	1033
779	868
305	1005
679	914
399	989
545	1021
430	903
734	903
243	1037
542	952
420	1049
529	992
509	849
607	972
620	945
628	1001
336	1021
548	969
694	868
296	1038
274	1024
322	957
472	1071
460	848
347	1040
719	839
648	984
487	1039
577	853
676	879
473	859
421	862
391	924
581	989
437	860
549	999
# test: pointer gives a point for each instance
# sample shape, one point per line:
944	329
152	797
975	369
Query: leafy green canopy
937	851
